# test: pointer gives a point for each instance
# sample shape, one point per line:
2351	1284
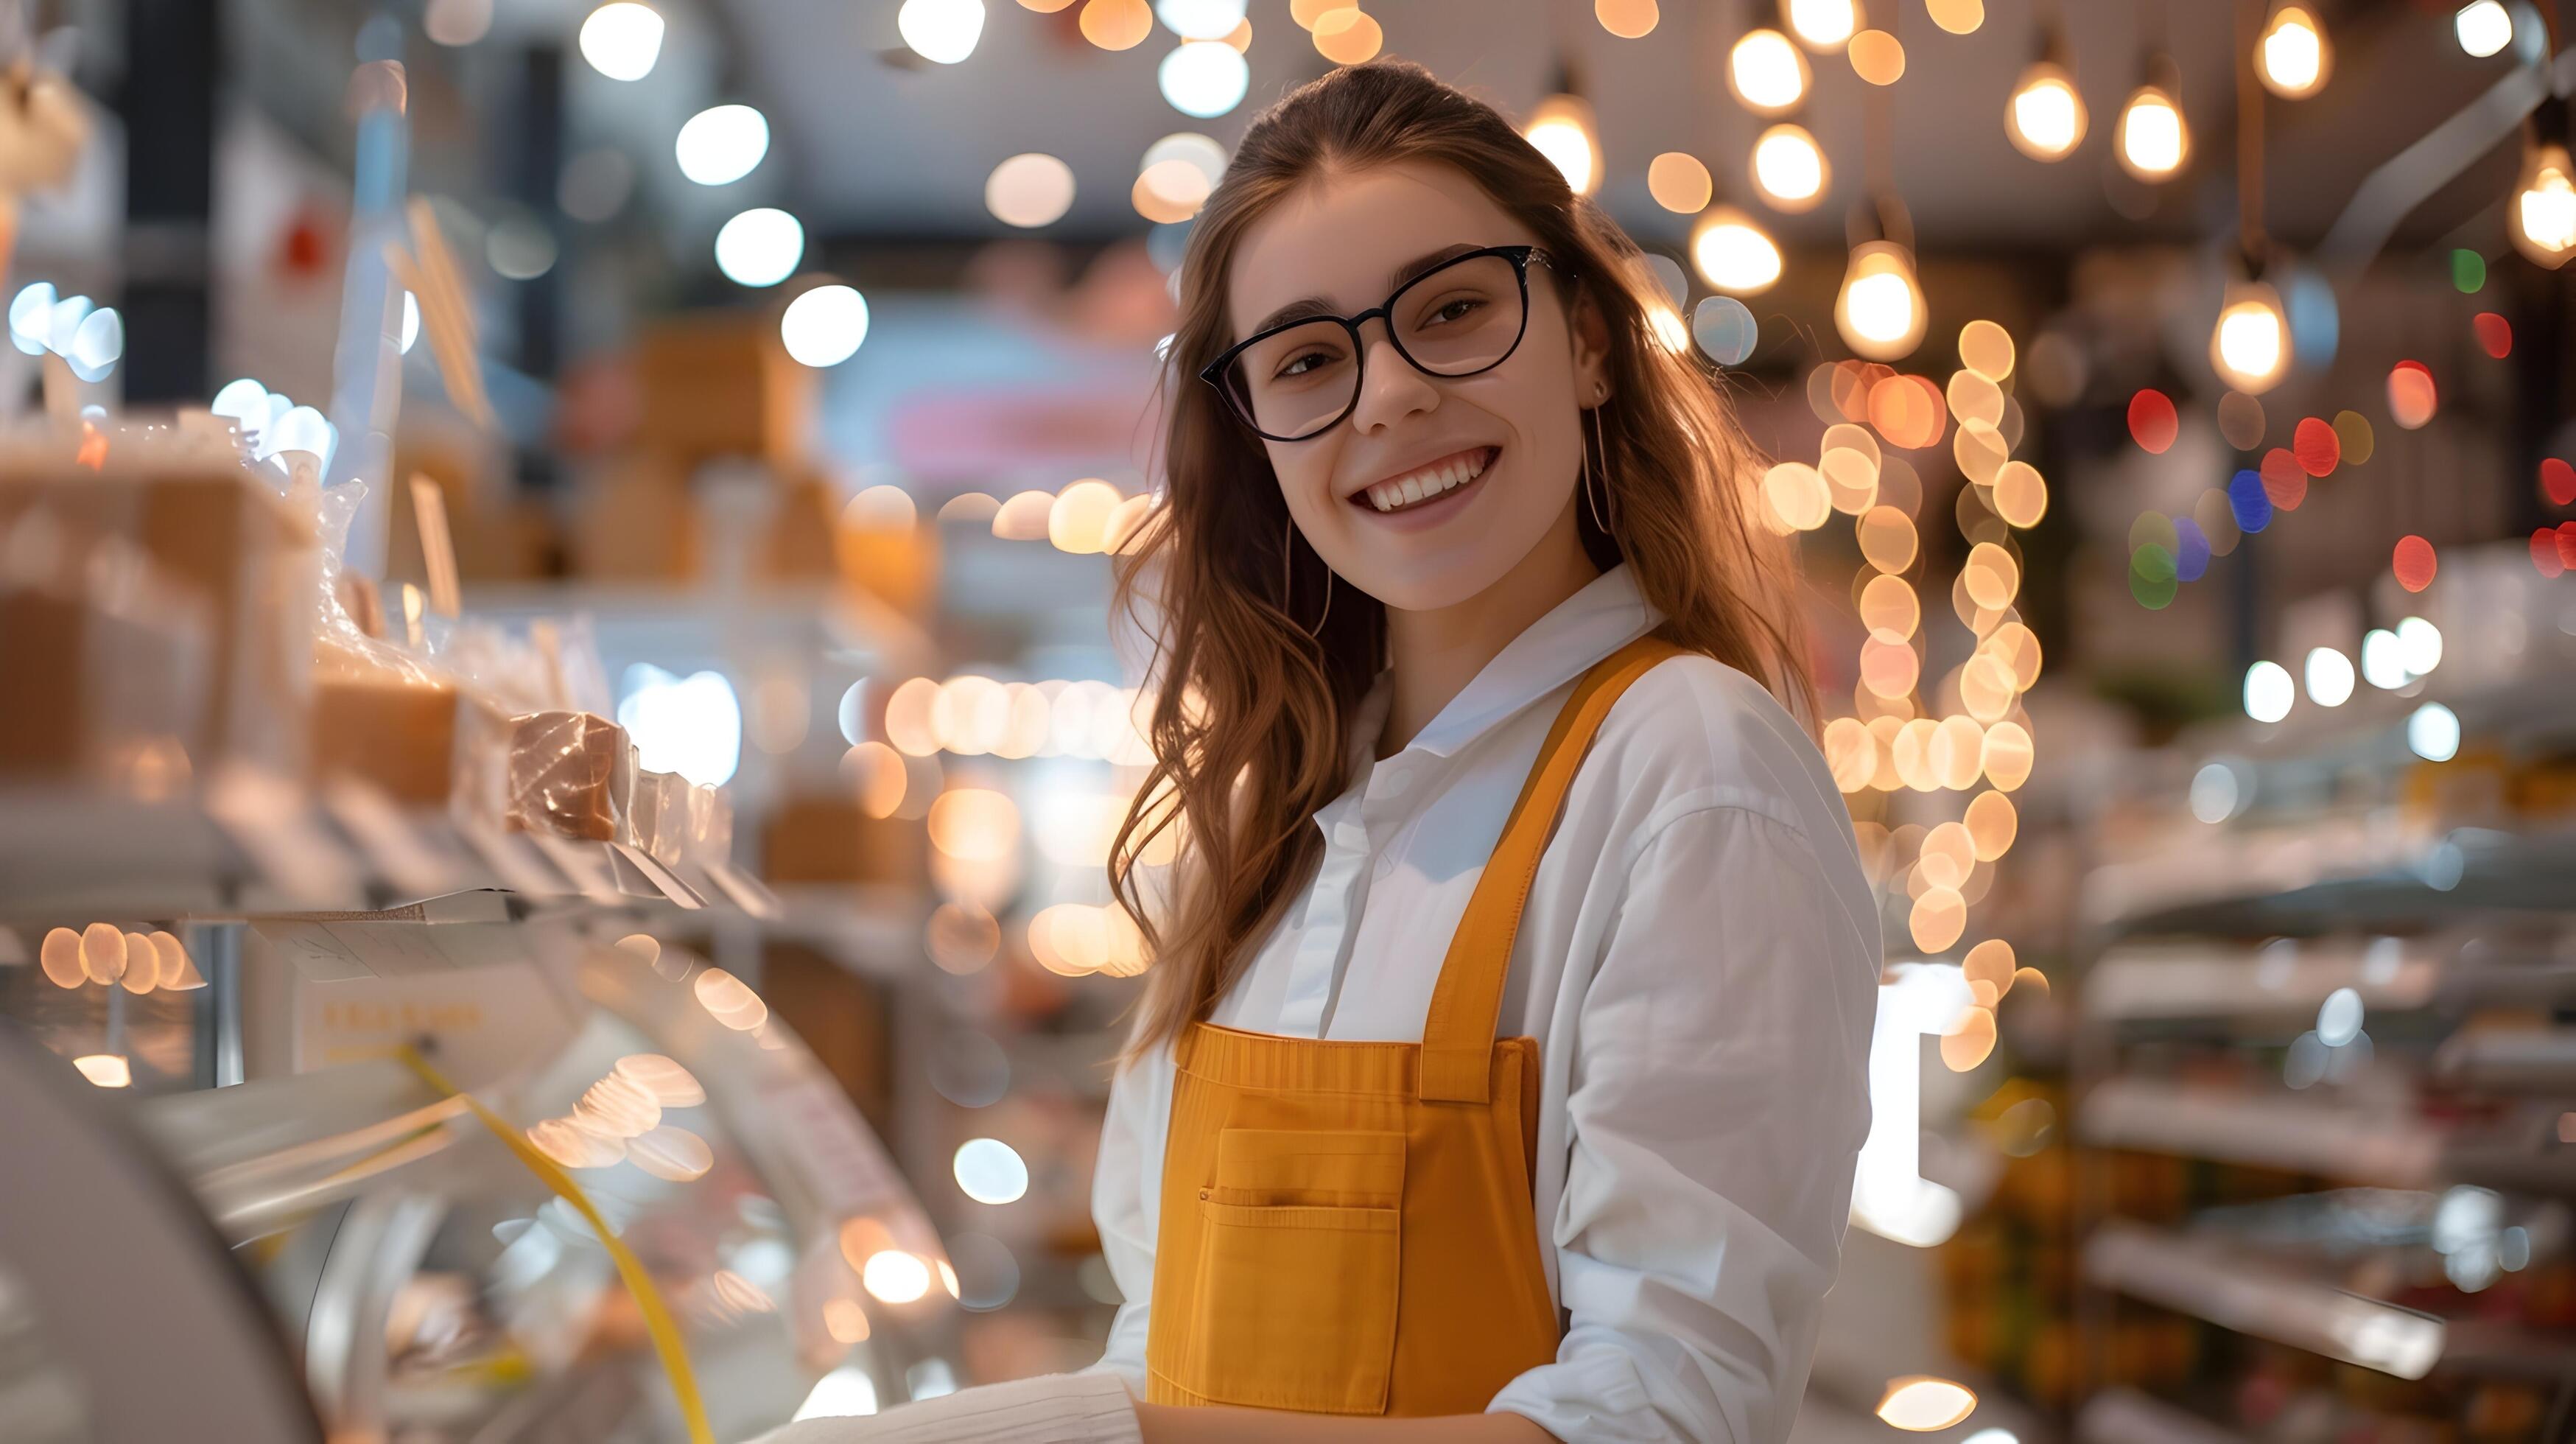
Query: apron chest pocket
1299	1267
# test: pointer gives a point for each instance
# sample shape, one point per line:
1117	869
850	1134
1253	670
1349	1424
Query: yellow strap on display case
648	1297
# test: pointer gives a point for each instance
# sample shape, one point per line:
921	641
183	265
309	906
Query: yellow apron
1347	1226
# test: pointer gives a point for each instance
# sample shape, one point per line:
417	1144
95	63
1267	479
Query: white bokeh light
2329	677
2269	691
1200	19
410	321
622	39
722	144
2419	644
825	326
2433	732
1204	78
691	726
941	30
2215	792
1029	190
2484	27
760	247
991	1171
2383	660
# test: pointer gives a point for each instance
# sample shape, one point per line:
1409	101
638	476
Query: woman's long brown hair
1248	728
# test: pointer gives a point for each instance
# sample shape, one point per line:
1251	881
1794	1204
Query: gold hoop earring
1288	575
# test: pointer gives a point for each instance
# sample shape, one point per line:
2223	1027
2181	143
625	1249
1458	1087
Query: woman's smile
1427	495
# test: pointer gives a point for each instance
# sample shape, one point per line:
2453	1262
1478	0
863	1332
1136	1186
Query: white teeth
1388	495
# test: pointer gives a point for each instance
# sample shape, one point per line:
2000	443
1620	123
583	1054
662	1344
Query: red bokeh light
2558	481
2318	449
2495	333
2412	398
2414	563
2152	421
2284	480
2544	552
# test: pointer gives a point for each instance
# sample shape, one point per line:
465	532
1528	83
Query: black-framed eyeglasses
1299	379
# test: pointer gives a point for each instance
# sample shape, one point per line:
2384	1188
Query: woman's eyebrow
1309	307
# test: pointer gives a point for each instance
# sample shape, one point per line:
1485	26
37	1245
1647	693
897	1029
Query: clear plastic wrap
380	713
661	814
571	774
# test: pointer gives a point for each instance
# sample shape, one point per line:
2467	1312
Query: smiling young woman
1503	1064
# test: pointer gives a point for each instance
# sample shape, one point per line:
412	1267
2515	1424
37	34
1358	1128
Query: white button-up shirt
1699	962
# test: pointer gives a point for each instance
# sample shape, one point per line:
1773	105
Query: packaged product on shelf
660	814
102	661
570	773
385	719
219	533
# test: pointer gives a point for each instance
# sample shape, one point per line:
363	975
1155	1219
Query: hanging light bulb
1564	130
2293	54
1823	26
1767	73
1790	169
1880	310
1734	254
2154	139
2046	115
2250	345
2544	199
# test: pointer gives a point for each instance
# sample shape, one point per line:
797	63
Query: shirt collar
1607	614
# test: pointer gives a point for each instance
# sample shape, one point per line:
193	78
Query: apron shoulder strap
1458	1035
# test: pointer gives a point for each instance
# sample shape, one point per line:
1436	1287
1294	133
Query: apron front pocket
1299	1269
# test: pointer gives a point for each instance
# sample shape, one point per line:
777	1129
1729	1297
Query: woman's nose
1390	388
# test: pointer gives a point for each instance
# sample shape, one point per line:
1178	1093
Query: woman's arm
1718	1098
1167	1424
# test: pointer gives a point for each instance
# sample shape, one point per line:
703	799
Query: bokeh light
760	247
722	144
1733	254
1679	182
2414	563
2411	395
1029	190
1767	73
1790	169
2152	420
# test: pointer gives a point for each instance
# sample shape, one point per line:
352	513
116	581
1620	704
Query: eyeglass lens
1458	320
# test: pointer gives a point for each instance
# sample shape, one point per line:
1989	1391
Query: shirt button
1349	836
1397	781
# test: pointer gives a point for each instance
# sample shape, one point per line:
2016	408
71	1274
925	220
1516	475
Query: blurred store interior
561	719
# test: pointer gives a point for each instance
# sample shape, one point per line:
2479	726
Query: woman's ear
1591	336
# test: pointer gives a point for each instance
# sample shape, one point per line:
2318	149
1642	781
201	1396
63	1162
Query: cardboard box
721	384
824	838
224	538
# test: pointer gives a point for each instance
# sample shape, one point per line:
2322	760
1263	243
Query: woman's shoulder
1694	732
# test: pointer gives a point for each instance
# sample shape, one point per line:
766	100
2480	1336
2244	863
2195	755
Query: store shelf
2125	1416
2536	1061
2302	1135
252	845
2340	875
2239	1290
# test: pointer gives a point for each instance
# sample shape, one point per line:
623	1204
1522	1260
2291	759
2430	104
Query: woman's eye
1457	310
1297	365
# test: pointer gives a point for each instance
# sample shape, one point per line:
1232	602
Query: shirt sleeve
1717	1104
1126	1227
